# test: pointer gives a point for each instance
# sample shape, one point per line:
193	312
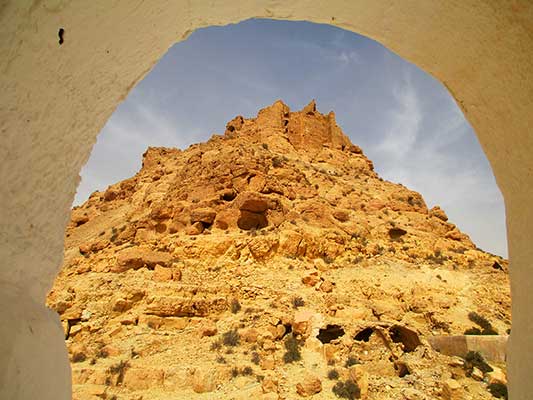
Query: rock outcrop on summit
255	264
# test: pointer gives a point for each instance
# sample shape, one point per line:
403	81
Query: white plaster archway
55	99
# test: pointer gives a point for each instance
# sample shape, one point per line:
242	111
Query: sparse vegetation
277	162
473	331
265	146
333	374
483	323
216	345
293	350
78	357
231	338
347	390
102	351
298	301
436	323
256	359
327	259
351	361
235	306
437	257
498	390
221	360
475	359
119	370
246	371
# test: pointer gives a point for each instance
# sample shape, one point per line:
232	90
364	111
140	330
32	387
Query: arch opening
187	209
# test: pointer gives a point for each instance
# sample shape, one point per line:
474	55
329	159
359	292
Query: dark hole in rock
229	196
207	225
364	335
288	330
231	128
409	338
249	220
61	34
401	369
396	233
497	265
329	333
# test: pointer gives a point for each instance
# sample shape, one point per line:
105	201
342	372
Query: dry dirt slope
254	265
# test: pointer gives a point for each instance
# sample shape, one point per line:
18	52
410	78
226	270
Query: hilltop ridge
280	228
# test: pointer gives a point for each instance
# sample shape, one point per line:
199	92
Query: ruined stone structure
67	64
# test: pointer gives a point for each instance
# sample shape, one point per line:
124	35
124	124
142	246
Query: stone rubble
256	263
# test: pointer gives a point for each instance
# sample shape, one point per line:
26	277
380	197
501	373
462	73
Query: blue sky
404	120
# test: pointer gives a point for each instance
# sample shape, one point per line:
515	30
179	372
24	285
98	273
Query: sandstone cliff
194	275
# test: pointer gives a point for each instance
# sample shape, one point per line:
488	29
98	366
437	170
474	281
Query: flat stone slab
491	347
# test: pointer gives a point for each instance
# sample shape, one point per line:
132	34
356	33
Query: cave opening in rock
330	333
406	336
364	335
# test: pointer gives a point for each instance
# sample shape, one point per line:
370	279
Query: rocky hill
272	262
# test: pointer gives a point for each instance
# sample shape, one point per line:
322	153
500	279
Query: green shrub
256	359
277	162
474	359
333	374
473	331
297	302
347	390
328	259
231	338
487	328
119	369
498	390
293	350
246	371
235	306
351	361
216	345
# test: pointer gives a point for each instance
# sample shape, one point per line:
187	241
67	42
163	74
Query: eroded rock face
233	257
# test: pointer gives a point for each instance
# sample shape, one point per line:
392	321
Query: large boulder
135	258
204	215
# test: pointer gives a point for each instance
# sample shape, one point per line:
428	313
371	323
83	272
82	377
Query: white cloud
427	163
405	121
349	57
125	137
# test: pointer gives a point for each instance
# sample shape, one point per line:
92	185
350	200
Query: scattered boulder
311	279
208	328
439	213
195	229
165	274
204	215
203	381
309	386
452	390
269	384
135	258
250	220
